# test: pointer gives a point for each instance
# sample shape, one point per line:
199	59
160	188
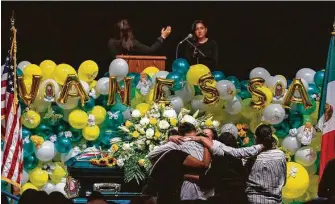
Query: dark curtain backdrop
280	36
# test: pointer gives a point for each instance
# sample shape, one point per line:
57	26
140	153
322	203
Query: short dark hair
228	139
173	132
185	128
264	136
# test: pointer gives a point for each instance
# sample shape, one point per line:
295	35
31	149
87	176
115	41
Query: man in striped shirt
267	172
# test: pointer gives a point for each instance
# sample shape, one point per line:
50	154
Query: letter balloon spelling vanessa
114	88
72	88
159	96
207	85
298	86
29	98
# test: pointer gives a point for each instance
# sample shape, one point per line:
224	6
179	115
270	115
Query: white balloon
304	82
259	72
306	134
160	74
103	86
198	104
274	114
272	80
85	86
25	177
46	151
186	93
307	74
71	103
48	188
126	114
226	89
231	128
42	88
59	187
23	65
234	106
72	153
291	144
118	67
305	156
176	103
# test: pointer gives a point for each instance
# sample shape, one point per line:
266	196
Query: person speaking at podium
127	44
207	52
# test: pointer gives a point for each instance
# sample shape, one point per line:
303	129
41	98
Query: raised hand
165	32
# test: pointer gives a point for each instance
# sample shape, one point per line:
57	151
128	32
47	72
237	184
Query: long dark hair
194	26
264	136
125	34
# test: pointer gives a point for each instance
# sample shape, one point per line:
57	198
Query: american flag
11	132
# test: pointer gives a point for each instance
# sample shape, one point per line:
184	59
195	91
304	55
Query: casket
84	177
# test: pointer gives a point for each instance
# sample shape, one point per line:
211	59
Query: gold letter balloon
261	95
72	88
297	86
114	88
207	86
159	96
29	98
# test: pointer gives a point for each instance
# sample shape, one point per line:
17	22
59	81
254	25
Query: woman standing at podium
209	49
127	44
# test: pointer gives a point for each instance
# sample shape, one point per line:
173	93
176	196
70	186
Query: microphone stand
196	49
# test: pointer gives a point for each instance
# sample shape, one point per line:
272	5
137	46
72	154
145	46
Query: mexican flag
327	109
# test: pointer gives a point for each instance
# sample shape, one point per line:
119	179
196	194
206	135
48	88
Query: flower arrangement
146	131
245	137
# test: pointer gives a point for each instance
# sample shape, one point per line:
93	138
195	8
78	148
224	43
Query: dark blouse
210	50
115	47
228	177
166	177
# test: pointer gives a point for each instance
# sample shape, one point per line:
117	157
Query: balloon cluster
68	110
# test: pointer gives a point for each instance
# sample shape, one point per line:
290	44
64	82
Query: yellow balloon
99	113
195	72
316	142
313	184
78	119
215	108
297	181
47	67
314	115
312	169
57	174
254	124
61	72
143	107
92	84
268	94
247	111
30	70
149	97
28	83
88	70
27	186
30	119
38	177
91	133
151	71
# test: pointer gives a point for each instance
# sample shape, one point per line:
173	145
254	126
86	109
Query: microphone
188	37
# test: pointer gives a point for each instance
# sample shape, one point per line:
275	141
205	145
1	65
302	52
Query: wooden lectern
138	63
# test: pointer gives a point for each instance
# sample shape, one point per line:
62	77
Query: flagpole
13	51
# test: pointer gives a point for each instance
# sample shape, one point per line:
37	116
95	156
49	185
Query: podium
138	63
